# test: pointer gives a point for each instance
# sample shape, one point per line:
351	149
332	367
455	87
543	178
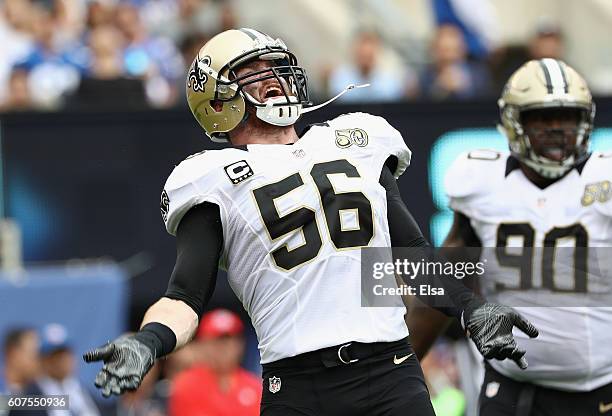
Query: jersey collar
513	163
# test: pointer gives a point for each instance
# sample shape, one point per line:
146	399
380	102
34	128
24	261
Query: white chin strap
279	115
334	98
288	114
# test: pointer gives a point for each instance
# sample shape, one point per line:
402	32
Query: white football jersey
294	218
505	209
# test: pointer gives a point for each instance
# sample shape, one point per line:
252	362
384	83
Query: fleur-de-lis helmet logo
197	77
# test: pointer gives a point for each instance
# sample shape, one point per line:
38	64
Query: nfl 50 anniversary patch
596	192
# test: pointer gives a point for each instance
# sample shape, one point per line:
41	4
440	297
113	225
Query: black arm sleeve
398	216
199	240
405	232
467	232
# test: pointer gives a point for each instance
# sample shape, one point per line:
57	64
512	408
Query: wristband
158	337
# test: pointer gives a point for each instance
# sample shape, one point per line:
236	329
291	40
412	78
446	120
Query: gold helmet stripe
555	81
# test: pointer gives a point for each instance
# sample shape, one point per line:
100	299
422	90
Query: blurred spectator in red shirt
217	386
181	360
21	359
450	74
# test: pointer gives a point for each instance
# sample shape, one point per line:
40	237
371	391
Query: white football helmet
216	94
544	84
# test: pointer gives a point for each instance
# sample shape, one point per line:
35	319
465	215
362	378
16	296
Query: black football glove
126	362
490	327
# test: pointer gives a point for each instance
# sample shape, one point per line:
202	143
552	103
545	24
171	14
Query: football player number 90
304	218
524	260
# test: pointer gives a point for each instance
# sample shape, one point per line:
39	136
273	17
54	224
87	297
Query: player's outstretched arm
167	325
426	323
489	325
172	321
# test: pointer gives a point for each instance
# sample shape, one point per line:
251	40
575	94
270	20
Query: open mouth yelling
271	91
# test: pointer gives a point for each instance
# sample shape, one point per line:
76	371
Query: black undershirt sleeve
199	241
405	232
398	216
467	232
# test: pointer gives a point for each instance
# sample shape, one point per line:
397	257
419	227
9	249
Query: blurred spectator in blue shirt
450	75
154	59
105	44
477	21
16	41
58	372
177	19
387	83
54	67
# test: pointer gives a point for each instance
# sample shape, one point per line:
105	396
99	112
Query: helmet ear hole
216	105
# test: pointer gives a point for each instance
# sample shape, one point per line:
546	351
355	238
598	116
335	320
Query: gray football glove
126	362
490	327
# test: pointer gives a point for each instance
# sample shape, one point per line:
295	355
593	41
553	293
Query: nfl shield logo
492	389
275	384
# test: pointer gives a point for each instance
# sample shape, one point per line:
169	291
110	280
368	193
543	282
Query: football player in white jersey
286	216
551	193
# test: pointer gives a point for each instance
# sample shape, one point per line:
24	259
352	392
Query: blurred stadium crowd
91	53
204	376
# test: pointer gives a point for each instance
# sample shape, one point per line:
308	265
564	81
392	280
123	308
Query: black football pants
502	396
385	380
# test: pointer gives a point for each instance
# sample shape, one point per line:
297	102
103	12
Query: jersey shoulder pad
599	166
199	165
597	179
373	134
475	172
193	181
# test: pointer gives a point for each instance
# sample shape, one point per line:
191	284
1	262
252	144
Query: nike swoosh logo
402	359
605	408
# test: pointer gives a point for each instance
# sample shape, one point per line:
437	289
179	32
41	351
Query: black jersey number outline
304	218
524	260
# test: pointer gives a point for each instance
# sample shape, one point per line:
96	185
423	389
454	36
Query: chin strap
278	112
340	94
